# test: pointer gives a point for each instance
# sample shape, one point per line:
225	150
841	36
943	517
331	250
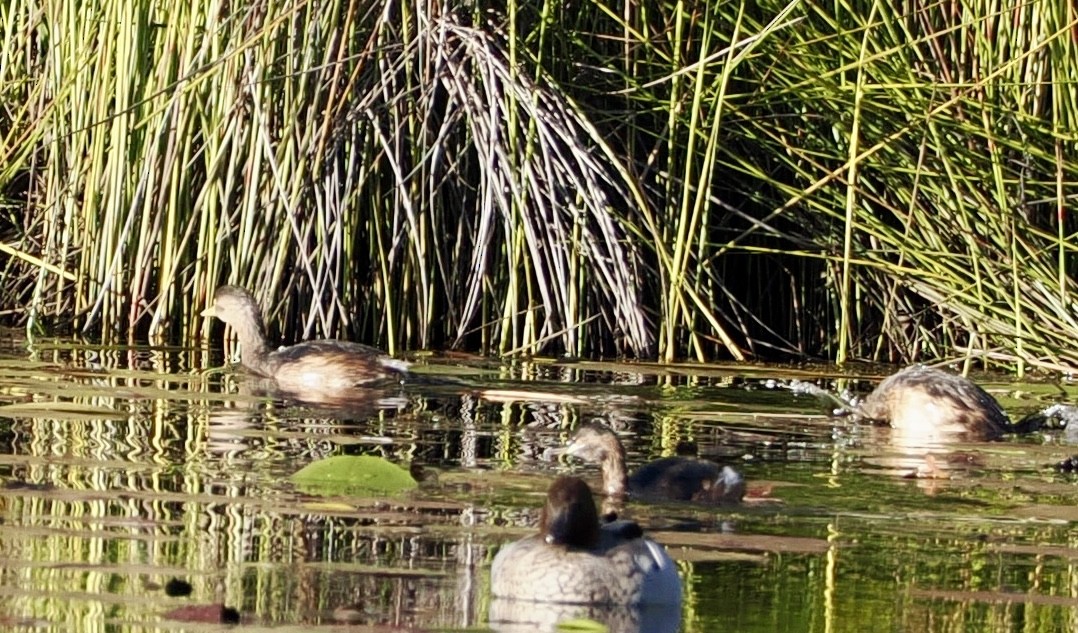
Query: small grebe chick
318	369
676	478
935	405
573	559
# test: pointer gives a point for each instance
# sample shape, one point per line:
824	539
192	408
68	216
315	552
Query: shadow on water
126	469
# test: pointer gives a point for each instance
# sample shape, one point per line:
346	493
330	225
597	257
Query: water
124	469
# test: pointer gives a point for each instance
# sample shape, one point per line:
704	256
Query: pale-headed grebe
314	368
674	478
933	404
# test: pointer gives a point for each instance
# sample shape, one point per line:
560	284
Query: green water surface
124	469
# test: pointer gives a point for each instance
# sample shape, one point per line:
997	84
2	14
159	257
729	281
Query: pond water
123	470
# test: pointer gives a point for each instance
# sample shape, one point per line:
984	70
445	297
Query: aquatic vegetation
132	471
842	179
352	474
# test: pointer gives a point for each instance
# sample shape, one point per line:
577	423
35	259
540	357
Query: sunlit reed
846	180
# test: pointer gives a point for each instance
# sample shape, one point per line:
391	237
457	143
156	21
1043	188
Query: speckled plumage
314	369
936	405
676	478
574	560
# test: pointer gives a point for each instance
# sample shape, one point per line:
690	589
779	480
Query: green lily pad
353	475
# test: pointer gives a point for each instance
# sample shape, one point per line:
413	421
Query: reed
894	176
922	156
842	179
386	166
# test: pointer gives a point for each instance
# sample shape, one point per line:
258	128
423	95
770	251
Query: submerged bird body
313	368
576	560
935	405
675	478
687	479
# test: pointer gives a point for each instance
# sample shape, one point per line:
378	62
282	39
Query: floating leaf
353	474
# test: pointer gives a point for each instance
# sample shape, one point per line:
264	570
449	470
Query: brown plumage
935	405
314	369
675	478
576	560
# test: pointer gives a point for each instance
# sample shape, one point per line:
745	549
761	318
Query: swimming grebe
933	404
677	478
314	368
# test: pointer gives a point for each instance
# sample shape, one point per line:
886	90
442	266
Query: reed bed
921	150
388	166
840	180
